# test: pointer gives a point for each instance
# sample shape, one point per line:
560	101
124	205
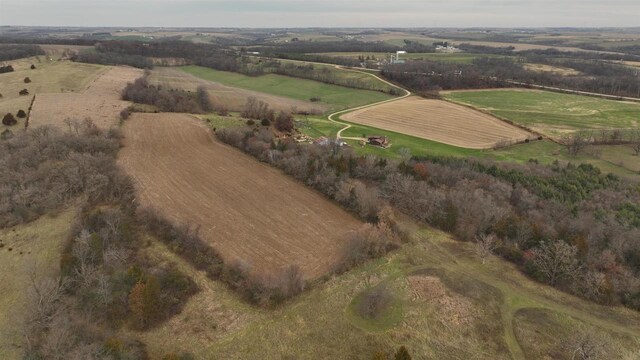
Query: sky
322	13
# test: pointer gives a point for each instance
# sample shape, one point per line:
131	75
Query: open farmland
48	77
439	121
232	97
333	96
550	113
100	102
248	211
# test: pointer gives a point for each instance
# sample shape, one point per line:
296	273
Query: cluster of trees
431	76
44	168
19	51
579	141
106	281
569	226
6	69
255	109
264	290
167	100
9	120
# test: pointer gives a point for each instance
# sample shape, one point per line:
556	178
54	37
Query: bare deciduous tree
556	260
485	246
588	345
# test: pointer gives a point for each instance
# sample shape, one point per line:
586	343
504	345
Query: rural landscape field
243	181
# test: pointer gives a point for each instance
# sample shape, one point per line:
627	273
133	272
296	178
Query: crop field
439	121
234	98
30	251
248	211
48	77
334	97
552	114
100	101
445	304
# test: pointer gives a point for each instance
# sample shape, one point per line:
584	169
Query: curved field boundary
347	126
440	121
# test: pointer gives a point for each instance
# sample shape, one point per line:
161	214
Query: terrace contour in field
440	121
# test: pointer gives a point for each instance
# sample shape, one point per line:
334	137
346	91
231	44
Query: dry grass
248	211
552	69
49	77
439	121
234	98
100	101
36	249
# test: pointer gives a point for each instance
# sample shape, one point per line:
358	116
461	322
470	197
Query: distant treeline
47	40
599	77
108	58
12	52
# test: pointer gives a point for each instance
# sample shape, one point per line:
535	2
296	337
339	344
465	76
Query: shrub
21	114
374	302
33	67
315	99
250	122
27	80
265	122
284	122
124	114
24	92
9	120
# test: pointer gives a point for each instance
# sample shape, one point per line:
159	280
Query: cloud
327	13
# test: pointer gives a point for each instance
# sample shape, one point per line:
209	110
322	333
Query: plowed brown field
100	101
247	210
439	121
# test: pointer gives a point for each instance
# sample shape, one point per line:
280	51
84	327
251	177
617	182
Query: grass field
100	101
618	160
552	114
249	211
357	78
48	77
446	304
233	98
35	252
336	97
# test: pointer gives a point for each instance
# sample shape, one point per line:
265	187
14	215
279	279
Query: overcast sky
322	13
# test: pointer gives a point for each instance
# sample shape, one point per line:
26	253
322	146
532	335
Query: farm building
381	141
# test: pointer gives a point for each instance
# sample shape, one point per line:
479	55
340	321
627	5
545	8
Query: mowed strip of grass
552	113
337	97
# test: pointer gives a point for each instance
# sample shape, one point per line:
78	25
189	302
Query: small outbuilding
381	141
